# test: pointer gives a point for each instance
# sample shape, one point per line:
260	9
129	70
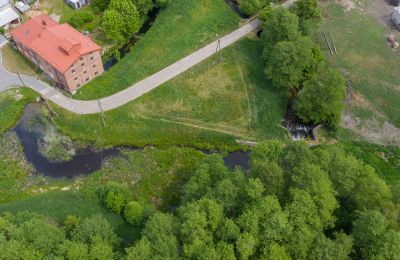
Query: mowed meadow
180	29
219	101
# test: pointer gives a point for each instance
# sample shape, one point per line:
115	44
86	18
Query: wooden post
102	113
333	43
23	84
329	45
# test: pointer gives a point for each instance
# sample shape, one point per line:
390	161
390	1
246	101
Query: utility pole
218	46
19	76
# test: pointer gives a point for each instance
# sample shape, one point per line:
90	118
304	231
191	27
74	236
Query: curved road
9	80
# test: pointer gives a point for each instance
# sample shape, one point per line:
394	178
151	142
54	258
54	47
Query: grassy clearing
12	104
385	159
15	62
181	28
59	204
222	99
154	176
366	59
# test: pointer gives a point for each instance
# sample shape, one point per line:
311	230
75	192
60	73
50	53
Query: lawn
15	62
181	28
222	99
366	60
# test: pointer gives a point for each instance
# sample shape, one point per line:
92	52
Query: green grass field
222	99
181	28
12	104
366	60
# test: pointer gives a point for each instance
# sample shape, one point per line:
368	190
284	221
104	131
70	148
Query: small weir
297	128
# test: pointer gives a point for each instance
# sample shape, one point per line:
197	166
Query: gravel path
9	80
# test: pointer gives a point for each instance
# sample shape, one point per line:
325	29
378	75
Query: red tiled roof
59	44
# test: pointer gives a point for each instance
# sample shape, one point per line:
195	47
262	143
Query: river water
85	161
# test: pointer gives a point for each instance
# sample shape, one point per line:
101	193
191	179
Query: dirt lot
382	10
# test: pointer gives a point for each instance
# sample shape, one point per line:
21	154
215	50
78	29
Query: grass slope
181	28
220	100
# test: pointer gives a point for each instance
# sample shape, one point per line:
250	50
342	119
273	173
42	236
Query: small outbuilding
7	14
22	7
77	4
396	17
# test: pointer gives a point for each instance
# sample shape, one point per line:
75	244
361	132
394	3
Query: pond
85	161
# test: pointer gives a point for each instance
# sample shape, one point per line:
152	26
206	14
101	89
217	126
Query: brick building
63	53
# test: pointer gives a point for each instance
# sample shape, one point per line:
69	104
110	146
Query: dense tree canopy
296	202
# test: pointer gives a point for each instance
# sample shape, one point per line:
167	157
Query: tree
74	250
309	15
134	213
113	26
331	249
292	62
80	18
93	229
321	100
70	222
252	6
368	228
115	196
279	25
161	3
100	4
143	7
159	239
121	20
41	236
129	13
316	183
304	217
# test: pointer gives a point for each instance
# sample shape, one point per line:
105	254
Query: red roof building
67	56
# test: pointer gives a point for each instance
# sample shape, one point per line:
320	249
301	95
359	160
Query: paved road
138	89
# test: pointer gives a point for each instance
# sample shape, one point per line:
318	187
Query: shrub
134	212
114	196
80	18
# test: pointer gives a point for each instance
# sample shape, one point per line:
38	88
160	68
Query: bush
80	18
1	30
114	196
134	213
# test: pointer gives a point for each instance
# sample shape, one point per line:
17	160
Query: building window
87	79
91	58
94	66
73	71
81	58
84	72
78	85
76	78
83	64
96	73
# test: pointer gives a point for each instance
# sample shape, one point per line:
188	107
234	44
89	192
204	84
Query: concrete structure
77	4
8	15
63	53
22	7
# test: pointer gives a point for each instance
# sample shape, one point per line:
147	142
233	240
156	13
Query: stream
88	160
